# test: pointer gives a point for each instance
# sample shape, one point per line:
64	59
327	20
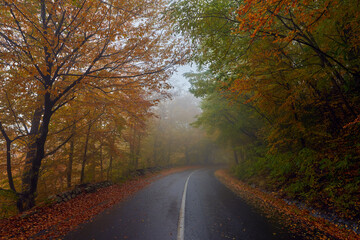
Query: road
210	212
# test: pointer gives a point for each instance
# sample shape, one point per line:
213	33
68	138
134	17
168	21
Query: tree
295	64
55	51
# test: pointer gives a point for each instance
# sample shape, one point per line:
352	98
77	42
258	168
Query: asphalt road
211	211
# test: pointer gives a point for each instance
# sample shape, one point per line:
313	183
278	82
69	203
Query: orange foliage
114	56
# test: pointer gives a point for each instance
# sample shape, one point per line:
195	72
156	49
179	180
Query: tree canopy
67	63
286	73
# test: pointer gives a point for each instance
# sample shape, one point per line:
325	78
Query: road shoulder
300	221
52	221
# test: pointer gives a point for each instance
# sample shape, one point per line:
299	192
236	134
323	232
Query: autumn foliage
75	76
281	91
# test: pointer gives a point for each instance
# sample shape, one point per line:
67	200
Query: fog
172	137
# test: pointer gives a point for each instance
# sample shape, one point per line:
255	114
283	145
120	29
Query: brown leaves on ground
298	220
54	221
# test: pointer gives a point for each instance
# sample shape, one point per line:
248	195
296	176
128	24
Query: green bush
323	182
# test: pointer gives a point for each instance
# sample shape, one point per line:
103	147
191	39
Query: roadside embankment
300	220
53	220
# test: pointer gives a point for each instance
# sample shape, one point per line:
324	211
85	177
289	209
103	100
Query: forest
86	95
280	88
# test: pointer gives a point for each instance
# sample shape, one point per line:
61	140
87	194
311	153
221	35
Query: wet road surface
211	212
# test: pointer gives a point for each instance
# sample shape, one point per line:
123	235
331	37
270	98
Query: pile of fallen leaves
298	220
55	220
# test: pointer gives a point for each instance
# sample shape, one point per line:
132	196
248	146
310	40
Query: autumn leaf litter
55	220
300	221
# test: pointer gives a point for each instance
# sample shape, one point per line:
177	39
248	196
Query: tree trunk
38	133
101	164
35	155
333	73
132	142
137	152
236	157
8	166
8	158
322	97
109	168
93	164
71	158
84	156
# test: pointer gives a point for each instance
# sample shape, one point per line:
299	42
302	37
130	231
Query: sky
181	85
178	81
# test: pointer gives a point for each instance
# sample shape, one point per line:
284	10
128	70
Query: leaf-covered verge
298	220
55	220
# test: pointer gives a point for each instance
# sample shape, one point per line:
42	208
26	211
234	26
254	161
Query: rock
78	189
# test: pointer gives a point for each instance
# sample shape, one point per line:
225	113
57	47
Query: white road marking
181	225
